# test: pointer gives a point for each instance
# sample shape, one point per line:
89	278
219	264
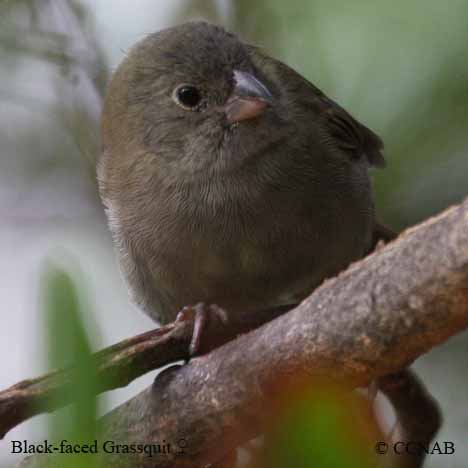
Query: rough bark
118	365
372	320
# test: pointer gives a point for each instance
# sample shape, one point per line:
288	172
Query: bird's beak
249	98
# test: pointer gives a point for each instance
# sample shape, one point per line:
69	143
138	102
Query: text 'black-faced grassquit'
227	177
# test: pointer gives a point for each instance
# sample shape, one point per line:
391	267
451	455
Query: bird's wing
350	135
381	233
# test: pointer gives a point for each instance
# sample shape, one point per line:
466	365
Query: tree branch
372	320
118	365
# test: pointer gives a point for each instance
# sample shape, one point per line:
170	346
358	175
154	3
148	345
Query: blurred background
400	67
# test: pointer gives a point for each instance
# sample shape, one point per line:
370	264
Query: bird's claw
200	313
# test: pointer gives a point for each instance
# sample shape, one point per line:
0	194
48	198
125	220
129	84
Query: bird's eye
187	96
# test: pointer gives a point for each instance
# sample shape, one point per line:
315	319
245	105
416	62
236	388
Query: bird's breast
245	250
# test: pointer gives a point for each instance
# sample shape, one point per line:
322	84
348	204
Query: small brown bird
227	177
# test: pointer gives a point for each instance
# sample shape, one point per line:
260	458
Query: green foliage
319	426
69	345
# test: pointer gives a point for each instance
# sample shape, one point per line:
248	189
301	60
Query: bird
228	178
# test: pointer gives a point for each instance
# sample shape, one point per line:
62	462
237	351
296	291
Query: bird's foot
201	313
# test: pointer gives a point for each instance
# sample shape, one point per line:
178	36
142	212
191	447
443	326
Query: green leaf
69	345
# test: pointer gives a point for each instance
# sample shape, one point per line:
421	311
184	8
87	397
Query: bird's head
191	100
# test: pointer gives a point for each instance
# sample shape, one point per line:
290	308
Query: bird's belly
270	270
246	264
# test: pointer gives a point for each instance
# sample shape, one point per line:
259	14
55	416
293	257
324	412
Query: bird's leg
200	313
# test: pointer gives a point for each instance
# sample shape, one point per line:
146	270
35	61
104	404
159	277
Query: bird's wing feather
381	233
350	135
